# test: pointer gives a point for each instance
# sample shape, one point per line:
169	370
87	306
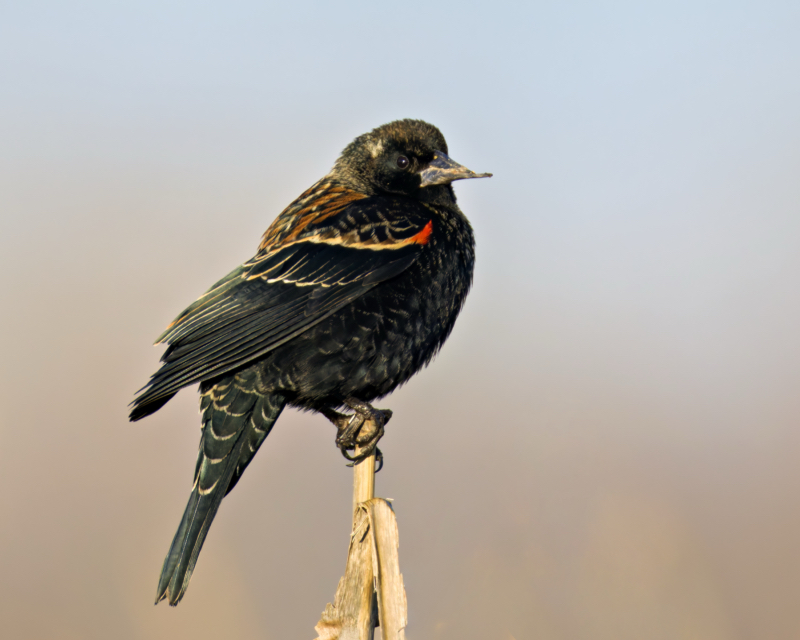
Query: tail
237	417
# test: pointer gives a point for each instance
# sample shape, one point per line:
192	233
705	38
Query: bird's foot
352	434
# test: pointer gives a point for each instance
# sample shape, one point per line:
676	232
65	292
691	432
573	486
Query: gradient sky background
607	447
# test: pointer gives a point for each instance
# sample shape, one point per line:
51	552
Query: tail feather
236	420
182	556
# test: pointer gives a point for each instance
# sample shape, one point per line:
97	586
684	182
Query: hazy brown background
608	445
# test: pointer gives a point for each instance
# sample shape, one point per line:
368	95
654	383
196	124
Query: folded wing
297	279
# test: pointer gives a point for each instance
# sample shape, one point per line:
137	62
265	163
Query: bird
354	288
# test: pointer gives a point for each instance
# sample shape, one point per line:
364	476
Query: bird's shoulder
333	213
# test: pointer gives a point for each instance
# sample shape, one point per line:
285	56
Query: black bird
354	288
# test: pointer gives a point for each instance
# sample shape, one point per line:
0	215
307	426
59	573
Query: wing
326	250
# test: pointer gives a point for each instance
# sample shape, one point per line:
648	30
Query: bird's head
405	157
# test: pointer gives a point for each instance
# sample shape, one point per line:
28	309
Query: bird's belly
366	349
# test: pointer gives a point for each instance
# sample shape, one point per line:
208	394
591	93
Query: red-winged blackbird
355	286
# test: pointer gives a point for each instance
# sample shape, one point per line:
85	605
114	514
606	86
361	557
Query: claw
351	432
359	458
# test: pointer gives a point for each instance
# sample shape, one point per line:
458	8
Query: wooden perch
371	593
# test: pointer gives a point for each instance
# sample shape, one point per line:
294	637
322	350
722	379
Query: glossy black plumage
354	288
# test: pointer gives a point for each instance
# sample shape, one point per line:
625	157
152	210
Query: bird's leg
355	434
340	420
351	433
346	426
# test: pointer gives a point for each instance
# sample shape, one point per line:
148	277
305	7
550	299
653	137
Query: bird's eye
402	162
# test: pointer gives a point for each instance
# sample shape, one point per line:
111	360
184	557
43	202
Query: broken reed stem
371	592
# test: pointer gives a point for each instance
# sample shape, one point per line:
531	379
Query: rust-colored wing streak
322	201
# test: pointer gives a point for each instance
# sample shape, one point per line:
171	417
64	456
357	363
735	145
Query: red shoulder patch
423	236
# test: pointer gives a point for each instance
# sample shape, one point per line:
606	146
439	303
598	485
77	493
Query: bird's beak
443	170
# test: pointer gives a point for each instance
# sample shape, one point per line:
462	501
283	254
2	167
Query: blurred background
608	445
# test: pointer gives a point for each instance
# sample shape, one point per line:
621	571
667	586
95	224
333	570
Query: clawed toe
352	434
362	455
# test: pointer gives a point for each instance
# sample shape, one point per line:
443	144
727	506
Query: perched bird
354	288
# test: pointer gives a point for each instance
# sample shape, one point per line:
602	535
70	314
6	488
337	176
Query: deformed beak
443	170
